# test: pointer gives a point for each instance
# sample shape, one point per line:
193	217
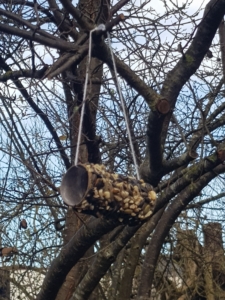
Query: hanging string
100	27
123	108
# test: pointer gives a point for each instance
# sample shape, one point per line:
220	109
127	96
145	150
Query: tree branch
53	43
13	75
205	201
222	45
187	176
61	21
64	62
137	244
102	262
118	6
166	167
102	52
77	15
71	253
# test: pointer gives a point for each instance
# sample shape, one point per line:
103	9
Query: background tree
170	58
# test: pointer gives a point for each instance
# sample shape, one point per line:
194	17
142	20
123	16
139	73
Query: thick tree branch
137	244
102	263
184	159
222	44
113	22
167	167
81	20
118	6
29	35
71	253
64	62
212	123
151	169
187	176
102	52
62	22
13	75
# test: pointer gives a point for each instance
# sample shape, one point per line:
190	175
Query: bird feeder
91	189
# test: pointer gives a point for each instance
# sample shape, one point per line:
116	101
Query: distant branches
42	115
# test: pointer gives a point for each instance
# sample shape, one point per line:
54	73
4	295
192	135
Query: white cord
100	27
124	109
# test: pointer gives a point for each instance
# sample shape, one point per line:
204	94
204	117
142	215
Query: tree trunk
96	11
4	285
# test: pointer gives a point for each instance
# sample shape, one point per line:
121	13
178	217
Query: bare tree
170	60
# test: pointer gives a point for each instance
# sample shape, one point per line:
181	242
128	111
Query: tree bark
4	284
